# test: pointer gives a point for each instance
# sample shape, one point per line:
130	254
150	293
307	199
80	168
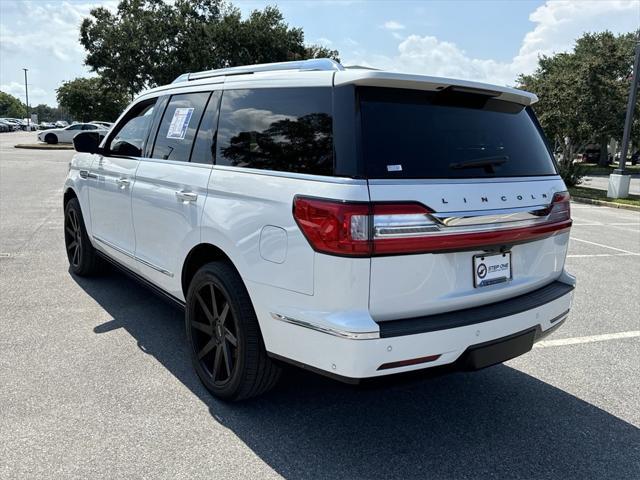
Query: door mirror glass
87	142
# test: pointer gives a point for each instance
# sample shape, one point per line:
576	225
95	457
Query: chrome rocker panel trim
130	255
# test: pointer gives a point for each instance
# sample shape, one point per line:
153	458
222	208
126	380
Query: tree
583	93
149	42
11	106
91	99
605	62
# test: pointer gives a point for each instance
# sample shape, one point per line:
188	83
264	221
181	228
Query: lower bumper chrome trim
327	330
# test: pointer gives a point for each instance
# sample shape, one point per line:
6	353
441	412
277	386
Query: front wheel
224	337
51	138
83	259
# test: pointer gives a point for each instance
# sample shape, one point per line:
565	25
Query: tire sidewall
51	139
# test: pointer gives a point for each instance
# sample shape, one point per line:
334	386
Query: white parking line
588	339
601	255
600	224
604	246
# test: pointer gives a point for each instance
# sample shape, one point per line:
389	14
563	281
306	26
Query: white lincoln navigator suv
357	223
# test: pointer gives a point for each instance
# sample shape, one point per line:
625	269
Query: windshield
448	134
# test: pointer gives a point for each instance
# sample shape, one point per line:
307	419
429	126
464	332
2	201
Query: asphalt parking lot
95	380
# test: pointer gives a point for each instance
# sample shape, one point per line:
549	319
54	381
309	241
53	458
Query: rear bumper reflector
406	363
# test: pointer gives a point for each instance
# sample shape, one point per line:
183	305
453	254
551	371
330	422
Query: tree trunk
604	152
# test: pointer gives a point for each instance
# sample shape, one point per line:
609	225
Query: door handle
85	174
186	197
123	182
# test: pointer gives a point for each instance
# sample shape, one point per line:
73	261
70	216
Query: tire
51	138
228	371
83	259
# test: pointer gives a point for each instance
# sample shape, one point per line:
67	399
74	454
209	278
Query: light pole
26	94
633	92
619	180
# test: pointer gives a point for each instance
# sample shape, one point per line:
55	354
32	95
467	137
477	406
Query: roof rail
314	64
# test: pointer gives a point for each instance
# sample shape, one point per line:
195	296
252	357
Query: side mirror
87	142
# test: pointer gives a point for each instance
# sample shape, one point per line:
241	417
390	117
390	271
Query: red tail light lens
560	208
339	228
366	229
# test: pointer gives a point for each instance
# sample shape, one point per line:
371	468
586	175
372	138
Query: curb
592	201
43	146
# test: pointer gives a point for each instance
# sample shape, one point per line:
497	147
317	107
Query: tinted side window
204	146
131	133
284	129
89	127
75	127
179	125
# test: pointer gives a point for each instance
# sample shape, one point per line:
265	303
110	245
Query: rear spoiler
423	82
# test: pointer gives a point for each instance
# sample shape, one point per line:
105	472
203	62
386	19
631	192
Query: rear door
171	186
468	204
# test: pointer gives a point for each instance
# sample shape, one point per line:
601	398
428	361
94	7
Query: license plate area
491	269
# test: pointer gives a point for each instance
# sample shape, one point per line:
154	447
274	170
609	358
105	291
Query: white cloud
393	25
557	25
17	90
324	42
47	43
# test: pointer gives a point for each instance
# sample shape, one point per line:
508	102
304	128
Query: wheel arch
69	193
198	256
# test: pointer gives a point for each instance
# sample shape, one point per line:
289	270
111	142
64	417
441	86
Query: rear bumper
478	338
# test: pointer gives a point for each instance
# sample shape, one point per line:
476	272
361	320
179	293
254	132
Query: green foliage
89	99
583	94
597	194
11	106
571	172
150	42
48	114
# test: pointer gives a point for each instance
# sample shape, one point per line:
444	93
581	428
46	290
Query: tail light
368	228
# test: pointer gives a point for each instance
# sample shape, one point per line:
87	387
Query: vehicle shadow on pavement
498	423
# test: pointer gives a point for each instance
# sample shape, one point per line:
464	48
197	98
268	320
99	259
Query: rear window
284	129
448	134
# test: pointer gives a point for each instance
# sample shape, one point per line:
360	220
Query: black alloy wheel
223	333
213	334
83	259
73	237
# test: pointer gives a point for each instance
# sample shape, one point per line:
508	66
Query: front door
112	179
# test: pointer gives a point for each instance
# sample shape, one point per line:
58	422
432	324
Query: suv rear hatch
467	206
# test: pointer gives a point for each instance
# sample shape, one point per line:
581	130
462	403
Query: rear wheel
224	337
83	259
51	138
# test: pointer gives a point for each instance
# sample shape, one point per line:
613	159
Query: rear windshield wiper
484	162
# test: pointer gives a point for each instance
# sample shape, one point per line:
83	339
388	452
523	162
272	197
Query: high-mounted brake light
368	229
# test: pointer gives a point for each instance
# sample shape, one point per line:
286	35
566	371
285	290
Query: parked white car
66	134
106	125
357	223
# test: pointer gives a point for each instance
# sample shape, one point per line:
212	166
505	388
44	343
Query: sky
489	41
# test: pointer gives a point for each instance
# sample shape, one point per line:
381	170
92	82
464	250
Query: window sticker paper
180	123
